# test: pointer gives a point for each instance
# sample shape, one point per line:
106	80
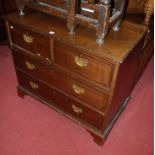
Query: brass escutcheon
78	90
77	109
34	85
30	65
81	62
27	38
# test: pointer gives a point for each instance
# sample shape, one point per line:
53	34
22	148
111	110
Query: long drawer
34	42
61	101
74	88
74	61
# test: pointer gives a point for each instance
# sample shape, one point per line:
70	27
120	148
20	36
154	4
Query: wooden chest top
116	47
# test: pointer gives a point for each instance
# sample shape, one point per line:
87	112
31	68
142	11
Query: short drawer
63	102
72	60
73	88
33	42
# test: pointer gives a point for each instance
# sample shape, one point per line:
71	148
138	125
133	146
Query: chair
100	15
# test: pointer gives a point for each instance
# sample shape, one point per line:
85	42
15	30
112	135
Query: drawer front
72	87
31	41
91	69
63	102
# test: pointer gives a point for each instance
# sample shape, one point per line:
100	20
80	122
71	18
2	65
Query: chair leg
103	21
120	5
20	5
72	10
116	27
21	12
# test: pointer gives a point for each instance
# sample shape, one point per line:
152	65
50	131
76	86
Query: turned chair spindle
148	11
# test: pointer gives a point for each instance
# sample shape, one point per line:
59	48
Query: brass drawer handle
81	62
30	65
77	109
34	85
27	38
78	90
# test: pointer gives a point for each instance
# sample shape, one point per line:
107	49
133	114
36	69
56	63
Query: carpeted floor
28	127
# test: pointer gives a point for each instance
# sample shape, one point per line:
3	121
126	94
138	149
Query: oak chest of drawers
86	82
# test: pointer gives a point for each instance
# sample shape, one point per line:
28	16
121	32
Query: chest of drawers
88	83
